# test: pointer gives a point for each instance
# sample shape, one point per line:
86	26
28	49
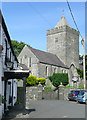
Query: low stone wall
34	93
51	95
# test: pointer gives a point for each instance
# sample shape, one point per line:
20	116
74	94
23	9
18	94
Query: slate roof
22	66
48	58
62	22
2	21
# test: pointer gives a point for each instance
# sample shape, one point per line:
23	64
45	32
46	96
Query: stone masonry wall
32	93
25	55
64	42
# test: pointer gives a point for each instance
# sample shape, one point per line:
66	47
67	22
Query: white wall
3	68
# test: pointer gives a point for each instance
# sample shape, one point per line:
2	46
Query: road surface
56	109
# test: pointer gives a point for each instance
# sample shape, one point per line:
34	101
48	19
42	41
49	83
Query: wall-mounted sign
75	79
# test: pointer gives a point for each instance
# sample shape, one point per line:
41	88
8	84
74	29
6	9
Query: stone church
62	54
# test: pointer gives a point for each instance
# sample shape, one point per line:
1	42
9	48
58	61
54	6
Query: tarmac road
56	109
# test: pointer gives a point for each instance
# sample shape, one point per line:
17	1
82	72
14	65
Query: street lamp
82	41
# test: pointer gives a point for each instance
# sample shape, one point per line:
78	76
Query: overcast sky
28	22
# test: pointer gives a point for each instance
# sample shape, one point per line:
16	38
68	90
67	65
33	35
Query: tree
57	78
80	72
80	59
18	46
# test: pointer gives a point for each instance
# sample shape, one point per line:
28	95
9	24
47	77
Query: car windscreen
76	92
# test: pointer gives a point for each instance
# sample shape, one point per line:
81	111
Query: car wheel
86	101
77	101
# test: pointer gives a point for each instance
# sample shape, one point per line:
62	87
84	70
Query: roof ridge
62	22
41	50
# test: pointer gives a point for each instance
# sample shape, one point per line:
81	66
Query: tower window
56	39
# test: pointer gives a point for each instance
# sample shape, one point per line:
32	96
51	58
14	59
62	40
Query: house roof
48	58
6	33
62	22
23	66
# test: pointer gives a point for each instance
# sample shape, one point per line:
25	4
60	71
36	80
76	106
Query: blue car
82	96
73	95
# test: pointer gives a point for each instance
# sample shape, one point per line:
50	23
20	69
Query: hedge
57	78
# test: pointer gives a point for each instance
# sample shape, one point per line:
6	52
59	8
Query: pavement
16	112
47	109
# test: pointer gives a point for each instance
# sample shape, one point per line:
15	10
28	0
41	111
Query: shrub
80	87
41	80
19	80
47	89
31	80
57	78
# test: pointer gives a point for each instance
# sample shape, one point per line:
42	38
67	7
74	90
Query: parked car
82	96
73	95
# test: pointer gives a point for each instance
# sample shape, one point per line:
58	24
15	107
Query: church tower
64	42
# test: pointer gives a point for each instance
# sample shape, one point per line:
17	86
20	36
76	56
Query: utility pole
84	62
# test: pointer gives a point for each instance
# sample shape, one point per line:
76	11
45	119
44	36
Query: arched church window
25	56
21	60
30	62
65	71
62	71
54	70
46	72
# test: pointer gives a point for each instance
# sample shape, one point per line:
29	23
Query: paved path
56	109
16	112
48	109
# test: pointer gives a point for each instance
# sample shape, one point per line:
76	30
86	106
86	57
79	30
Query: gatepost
61	92
40	87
